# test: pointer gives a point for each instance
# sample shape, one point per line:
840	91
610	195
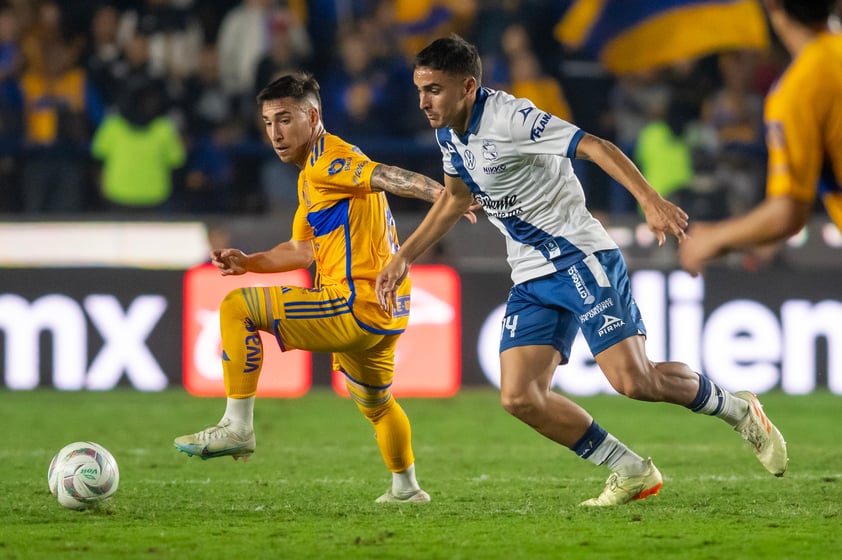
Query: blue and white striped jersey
515	158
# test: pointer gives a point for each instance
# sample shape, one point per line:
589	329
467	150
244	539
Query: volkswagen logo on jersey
470	159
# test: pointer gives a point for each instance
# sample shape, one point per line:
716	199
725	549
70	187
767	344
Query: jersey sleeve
794	134
535	132
341	170
301	228
443	137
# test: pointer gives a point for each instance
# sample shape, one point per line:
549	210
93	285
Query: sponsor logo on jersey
470	159
489	151
596	310
584	293
609	324
494	169
539	126
358	172
338	165
490	204
525	113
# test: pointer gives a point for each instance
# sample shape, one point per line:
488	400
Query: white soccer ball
82	474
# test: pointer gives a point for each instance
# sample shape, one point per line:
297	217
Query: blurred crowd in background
148	106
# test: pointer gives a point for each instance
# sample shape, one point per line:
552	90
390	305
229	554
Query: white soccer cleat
620	489
416	497
768	443
217	441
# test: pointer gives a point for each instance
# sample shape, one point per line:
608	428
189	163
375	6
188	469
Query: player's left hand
665	218
229	261
389	280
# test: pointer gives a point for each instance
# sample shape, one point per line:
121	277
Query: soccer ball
82	474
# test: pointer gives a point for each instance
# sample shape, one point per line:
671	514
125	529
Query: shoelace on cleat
214	432
754	434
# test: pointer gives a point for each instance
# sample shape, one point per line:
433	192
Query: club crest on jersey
470	159
489	151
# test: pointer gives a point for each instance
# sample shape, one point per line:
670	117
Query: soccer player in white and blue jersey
515	160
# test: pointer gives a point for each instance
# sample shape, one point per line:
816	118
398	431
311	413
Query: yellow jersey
803	116
351	229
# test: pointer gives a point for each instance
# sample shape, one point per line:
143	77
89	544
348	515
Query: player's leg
629	371
242	314
368	376
632	374
536	338
615	338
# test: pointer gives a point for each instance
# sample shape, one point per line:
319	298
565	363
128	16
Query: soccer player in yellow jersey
803	118
344	225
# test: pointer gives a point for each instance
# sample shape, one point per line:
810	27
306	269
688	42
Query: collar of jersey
476	115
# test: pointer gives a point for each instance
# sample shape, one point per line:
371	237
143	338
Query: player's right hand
389	280
471	214
229	261
665	218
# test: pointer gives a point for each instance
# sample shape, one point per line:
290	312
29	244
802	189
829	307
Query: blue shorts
593	295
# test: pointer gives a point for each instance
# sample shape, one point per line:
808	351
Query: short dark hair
809	11
298	86
452	55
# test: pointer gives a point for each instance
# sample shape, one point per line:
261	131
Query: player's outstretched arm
775	219
409	184
663	217
289	255
446	211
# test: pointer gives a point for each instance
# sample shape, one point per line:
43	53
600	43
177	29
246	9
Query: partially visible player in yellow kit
803	119
344	224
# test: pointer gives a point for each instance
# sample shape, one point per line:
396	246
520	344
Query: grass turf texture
499	490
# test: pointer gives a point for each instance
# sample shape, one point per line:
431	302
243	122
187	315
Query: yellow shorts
320	320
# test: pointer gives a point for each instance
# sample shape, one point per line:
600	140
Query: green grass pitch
499	489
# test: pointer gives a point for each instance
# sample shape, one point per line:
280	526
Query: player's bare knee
520	405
